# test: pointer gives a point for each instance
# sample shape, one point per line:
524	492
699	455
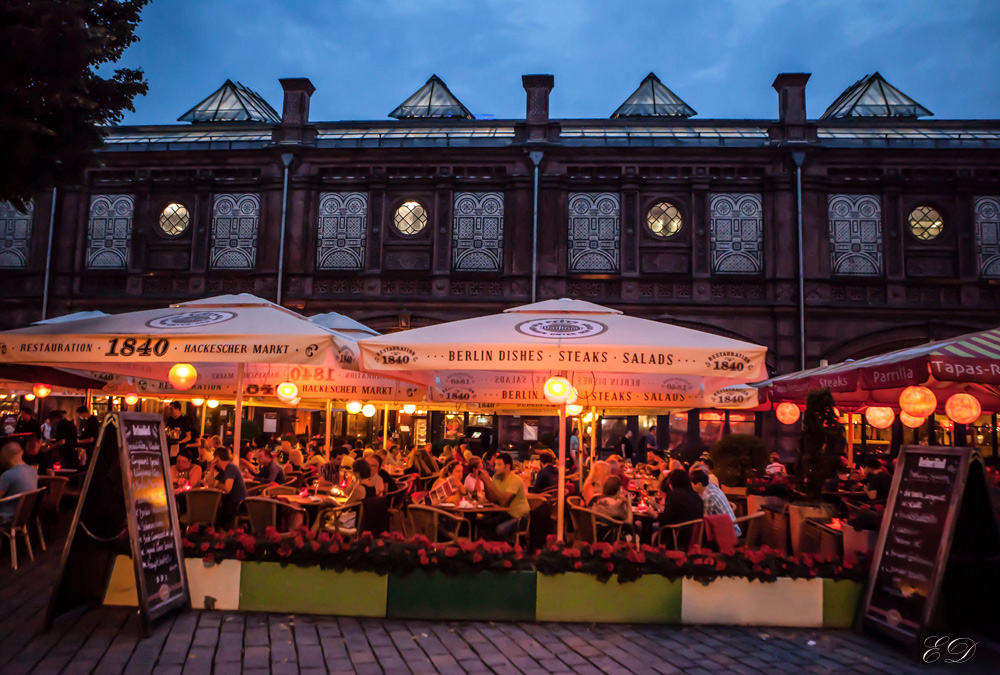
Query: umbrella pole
385	428
561	504
593	439
87	397
329	423
238	428
850	438
204	404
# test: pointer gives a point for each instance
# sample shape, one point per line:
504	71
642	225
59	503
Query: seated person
715	500
315	457
393	462
506	489
593	486
17	477
473	483
706	464
186	470
331	473
680	505
268	471
878	481
452	472
363	486
388	482
228	479
295	460
775	467
613	501
548	476
655	463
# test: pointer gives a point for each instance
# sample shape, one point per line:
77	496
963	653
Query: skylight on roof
434	99
872	96
232	102
653	99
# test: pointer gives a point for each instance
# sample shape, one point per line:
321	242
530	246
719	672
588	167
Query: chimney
791	88
537	88
298	90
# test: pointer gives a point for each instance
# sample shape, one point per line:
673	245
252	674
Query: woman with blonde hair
594	485
295	460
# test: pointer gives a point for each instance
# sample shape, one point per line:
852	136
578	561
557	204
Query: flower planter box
479	596
215	586
269	587
735	601
797	515
840	602
583	598
858	541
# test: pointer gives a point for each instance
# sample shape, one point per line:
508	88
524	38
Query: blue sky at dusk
366	57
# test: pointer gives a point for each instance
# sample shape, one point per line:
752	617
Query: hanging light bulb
212	403
368	410
182	376
354	407
29	397
131	399
409	408
41	390
574	410
911	421
880	418
286	392
197	402
787	413
558	390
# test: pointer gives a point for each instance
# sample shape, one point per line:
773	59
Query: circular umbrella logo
191	319
560	328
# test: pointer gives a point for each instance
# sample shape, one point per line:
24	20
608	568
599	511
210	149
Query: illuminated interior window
925	223
174	219
664	220
410	218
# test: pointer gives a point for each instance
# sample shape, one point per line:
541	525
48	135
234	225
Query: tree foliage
736	456
53	102
821	443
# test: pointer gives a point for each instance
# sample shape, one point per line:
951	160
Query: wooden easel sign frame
127	492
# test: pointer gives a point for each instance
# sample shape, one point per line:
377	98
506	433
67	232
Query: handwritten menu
908	567
158	554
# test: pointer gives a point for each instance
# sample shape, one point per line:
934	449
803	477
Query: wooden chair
586	521
18	524
432	522
336	519
262	513
697	531
276	490
203	506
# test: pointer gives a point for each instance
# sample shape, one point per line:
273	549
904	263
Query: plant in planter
821	444
737	456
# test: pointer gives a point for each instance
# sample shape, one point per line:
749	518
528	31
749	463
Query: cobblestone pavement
108	640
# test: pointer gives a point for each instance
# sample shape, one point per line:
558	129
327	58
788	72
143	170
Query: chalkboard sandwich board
127	506
938	518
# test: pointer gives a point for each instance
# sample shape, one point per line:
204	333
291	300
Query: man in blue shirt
17	477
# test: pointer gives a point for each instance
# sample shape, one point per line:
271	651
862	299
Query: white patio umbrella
237	329
566	338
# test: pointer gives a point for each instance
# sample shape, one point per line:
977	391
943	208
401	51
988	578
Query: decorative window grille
737	222
987	220
342	226
478	232
109	231
234	231
594	224
15	236
855	235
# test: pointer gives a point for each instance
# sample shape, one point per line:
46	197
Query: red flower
186	544
424	560
451	551
476	558
240	555
204	546
508	564
577	565
315	545
609	567
208	559
720	566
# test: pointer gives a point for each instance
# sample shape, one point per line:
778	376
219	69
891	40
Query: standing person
506	489
574	443
228	479
646	443
63	447
625	447
27	424
17	477
179	428
88	429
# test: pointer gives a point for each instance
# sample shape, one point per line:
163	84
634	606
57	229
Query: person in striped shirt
715	500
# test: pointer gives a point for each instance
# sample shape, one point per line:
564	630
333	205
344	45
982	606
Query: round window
174	219
411	218
925	223
664	220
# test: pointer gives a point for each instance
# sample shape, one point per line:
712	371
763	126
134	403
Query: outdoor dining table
472	512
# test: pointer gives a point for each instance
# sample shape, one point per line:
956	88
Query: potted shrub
737	457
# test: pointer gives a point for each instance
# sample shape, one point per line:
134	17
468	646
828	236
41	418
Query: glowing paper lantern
573	396
588	418
294	401
963	408
574	410
197	402
911	421
787	413
42	390
354	407
368	410
131	399
409	408
29	397
558	390
880	418
918	401
212	403
182	376
287	392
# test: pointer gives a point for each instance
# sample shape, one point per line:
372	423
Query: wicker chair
749	526
432	522
697	531
586	521
397	510
263	513
276	490
203	506
336	520
18	524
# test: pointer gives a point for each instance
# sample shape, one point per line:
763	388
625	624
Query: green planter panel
483	596
269	587
582	598
840	602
